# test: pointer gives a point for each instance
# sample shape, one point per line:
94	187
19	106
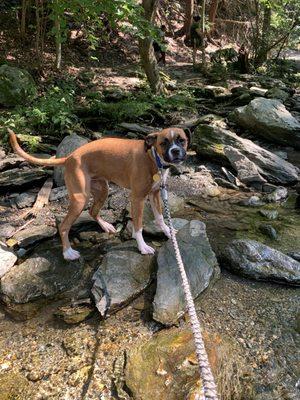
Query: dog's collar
160	165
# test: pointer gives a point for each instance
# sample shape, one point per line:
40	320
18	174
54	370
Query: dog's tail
39	161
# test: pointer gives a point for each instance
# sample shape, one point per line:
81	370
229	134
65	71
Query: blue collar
157	159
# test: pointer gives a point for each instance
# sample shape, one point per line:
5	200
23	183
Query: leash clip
164	192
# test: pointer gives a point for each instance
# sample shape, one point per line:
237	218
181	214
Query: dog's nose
175	152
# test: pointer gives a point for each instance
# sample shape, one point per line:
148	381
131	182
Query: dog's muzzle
175	154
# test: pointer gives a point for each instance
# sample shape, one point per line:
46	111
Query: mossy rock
14	386
17	86
166	368
208	142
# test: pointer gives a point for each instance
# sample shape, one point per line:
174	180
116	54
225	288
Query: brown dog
130	164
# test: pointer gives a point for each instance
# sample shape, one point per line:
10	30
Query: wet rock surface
201	267
42	276
123	274
166	368
257	261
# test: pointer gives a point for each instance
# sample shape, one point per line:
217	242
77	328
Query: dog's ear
188	134
150	140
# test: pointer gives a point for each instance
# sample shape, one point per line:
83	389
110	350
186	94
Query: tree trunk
189	10
57	38
23	19
146	50
38	33
263	49
188	15
57	43
203	36
212	15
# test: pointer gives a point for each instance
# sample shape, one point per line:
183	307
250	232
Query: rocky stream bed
112	324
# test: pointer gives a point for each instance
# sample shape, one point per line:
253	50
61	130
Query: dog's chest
163	180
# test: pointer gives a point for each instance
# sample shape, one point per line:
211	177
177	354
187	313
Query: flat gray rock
17	178
210	141
34	234
201	266
247	171
58	193
260	262
7	260
269	119
6	231
43	275
25	199
66	147
10	162
123	274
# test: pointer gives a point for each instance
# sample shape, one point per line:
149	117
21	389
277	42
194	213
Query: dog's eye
181	140
165	142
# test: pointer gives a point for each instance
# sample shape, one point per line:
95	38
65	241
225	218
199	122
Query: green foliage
142	105
125	110
54	110
218	72
284	70
123	15
51	113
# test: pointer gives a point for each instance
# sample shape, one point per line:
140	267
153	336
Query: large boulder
210	141
269	119
123	274
17	86
165	367
258	261
67	146
201	267
43	275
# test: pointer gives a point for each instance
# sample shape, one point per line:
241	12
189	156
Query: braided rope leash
208	382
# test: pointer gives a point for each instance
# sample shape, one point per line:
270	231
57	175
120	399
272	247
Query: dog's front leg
155	203
137	209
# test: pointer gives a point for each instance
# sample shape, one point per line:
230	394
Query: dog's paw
165	229
71	254
106	226
145	249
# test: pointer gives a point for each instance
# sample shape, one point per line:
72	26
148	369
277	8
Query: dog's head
171	144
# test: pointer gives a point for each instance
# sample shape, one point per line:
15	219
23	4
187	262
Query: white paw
71	254
145	249
106	226
165	229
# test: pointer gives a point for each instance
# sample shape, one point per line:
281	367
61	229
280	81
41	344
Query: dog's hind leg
99	190
78	187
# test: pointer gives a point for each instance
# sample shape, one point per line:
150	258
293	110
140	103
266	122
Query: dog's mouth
175	159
